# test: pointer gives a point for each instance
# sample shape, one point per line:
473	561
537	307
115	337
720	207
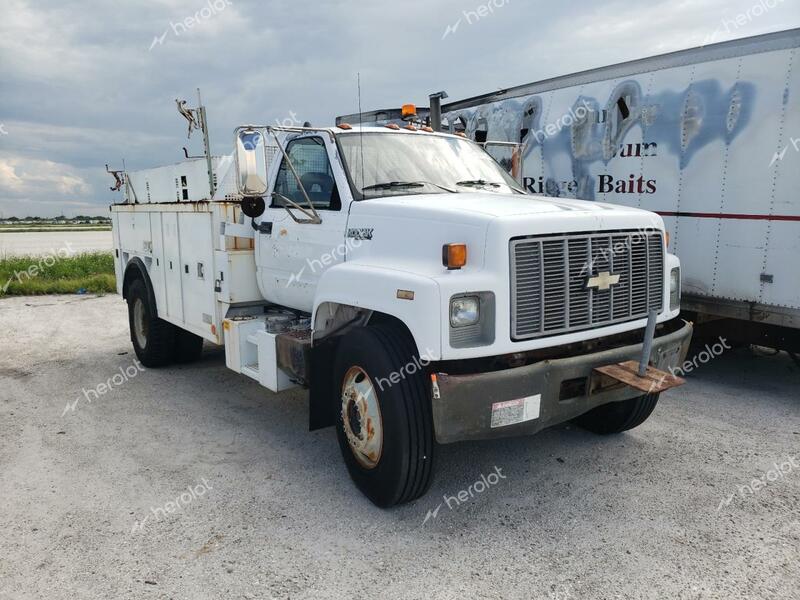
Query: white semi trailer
708	138
404	278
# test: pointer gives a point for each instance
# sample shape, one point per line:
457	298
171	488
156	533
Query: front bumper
534	394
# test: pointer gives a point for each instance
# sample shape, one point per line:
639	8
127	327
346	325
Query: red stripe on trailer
701	215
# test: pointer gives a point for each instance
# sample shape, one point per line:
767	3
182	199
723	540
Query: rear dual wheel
156	342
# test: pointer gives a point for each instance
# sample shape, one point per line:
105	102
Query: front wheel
384	424
617	417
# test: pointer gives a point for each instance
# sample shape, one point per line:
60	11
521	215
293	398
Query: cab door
292	256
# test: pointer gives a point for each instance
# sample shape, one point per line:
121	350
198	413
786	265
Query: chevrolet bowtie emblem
602	281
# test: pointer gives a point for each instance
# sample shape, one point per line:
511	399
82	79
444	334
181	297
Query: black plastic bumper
488	405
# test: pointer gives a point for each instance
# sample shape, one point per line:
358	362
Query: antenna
361	131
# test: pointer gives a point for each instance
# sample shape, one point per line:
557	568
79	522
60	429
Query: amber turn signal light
454	256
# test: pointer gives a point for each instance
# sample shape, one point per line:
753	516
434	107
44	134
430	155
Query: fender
372	288
137	269
376	288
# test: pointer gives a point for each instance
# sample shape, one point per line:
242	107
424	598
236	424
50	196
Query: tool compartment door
197	272
172	267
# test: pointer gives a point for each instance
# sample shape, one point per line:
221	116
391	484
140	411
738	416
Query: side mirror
251	163
253	206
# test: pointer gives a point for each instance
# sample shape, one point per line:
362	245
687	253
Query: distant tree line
60	219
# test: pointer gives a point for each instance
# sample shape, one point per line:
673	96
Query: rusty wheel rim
361	416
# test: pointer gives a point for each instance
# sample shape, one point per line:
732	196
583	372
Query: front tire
384	422
617	417
153	339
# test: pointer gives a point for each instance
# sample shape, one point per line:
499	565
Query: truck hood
415	227
481	205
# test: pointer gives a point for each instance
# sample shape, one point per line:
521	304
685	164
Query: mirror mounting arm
310	212
313	217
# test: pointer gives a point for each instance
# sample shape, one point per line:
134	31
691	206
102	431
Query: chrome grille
549	277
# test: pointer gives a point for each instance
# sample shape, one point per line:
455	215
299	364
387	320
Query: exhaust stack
436	110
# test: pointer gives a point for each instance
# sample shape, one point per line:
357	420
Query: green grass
51	229
35	275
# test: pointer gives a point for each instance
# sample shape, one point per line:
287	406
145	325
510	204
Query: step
251	371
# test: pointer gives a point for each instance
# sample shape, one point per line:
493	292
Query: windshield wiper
483	182
478	182
392	184
404	184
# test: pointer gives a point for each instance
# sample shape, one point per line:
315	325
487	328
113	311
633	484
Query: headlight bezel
479	333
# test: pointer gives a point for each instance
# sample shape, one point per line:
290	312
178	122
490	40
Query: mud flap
323	399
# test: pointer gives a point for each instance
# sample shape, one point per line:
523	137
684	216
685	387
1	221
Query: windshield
383	164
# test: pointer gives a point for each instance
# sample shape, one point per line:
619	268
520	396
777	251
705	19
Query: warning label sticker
516	411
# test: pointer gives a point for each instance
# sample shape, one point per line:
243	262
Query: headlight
465	311
675	289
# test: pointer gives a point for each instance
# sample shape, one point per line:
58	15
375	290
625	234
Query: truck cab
406	279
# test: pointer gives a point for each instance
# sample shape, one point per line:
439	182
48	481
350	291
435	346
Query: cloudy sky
87	82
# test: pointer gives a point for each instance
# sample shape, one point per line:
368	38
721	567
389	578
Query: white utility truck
405	279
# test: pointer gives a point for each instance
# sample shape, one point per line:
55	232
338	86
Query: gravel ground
669	510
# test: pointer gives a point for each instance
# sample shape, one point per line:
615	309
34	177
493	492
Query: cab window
310	159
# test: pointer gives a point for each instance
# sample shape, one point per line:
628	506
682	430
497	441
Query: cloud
31	178
80	86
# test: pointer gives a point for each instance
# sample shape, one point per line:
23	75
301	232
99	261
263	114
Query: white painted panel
237	276
157	264
783	252
748	182
783	265
197	272
180	182
172	266
118	272
705	160
134	233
